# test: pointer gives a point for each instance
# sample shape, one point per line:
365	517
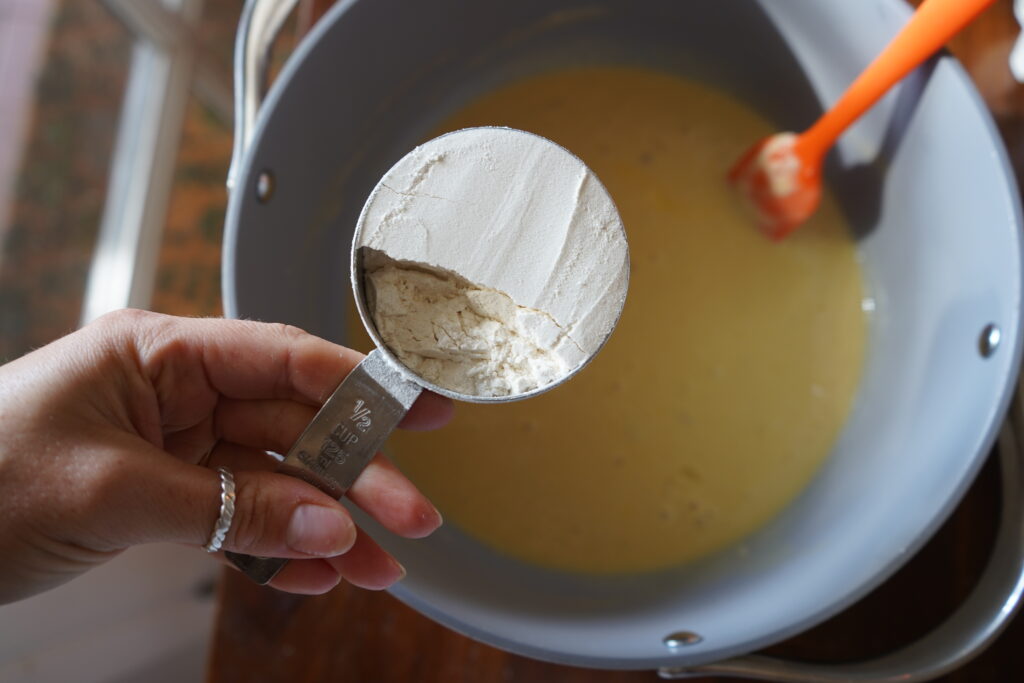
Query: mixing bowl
923	180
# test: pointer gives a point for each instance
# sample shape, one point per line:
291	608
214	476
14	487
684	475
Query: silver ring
227	510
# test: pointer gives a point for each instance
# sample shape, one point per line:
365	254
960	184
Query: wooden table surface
355	635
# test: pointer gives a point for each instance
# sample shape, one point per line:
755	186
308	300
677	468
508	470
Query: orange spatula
781	175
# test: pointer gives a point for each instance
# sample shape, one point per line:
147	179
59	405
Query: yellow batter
726	382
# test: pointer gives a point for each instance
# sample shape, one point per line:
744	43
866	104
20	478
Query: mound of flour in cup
494	262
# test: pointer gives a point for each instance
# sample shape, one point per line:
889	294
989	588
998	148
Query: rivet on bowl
681	639
989	340
265	186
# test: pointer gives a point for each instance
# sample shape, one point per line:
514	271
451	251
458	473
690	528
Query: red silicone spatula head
781	183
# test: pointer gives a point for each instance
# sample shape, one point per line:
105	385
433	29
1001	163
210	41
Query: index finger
244	359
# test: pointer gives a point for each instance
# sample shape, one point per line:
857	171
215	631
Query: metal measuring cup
368	404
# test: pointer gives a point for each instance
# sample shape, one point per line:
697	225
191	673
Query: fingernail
320	531
401	570
436	522
428	520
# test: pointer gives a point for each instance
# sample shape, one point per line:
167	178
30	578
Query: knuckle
125	317
290	333
293	337
135	327
253	511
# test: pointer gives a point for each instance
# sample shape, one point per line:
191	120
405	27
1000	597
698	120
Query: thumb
275	515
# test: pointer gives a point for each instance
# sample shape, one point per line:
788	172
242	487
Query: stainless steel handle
342	439
259	25
970	629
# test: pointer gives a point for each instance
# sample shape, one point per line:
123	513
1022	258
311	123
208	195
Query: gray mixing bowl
923	179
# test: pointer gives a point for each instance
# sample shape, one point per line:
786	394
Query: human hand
110	435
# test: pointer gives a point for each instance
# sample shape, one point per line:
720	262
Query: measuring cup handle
342	439
975	624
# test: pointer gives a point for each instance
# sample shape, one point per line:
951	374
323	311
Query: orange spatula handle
931	26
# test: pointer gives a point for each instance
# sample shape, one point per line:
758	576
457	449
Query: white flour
496	261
